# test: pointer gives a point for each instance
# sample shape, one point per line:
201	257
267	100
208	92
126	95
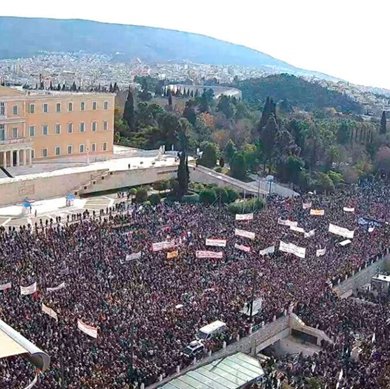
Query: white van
211	330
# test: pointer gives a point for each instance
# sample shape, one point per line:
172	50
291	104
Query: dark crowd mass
147	310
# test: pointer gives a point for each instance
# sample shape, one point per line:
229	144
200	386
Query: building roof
13	343
5	91
231	372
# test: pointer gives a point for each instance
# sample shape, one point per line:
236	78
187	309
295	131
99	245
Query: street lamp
270	180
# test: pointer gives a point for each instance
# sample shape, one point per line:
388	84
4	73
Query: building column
6	159
22	157
2	154
30	157
17	158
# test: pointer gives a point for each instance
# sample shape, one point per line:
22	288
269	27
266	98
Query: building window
105	126
94	105
106	105
15	109
45	130
58	150
15	133
93	147
82	127
69	149
70	107
82	106
58	129
70	128
44	153
32	108
58	107
32	154
2	132
2	109
81	148
104	146
94	126
45	108
31	131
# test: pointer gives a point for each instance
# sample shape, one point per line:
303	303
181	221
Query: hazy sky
344	38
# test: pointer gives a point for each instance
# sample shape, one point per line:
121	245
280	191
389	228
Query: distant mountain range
26	37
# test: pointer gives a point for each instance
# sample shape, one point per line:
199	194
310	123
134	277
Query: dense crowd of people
146	310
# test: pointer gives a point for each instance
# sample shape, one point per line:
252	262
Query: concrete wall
345	288
132	177
15	190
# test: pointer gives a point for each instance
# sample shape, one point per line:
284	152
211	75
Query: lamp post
270	180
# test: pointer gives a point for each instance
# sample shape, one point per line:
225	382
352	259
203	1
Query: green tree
182	175
293	168
226	106
141	195
269	110
382	160
207	196
383	123
189	112
324	183
230	150
238	166
222	195
232	195
128	113
343	133
267	137
209	156
154	199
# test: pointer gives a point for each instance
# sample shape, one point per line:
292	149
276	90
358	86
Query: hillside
299	92
126	42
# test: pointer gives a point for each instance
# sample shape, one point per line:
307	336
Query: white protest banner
26	290
292	249
287	223
344	232
268	250
309	234
244	216
242	247
87	329
162	245
346	209
60	286
297	229
6	286
51	312
209	254
32	383
133	256
216	242
317	212
320	252
345	242
306	205
245	234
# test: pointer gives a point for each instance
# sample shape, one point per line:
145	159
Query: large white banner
26	290
287	223
268	250
60	286
87	329
297	229
242	247
6	286
244	216
133	256
162	245
344	232
245	234
346	209
320	252
209	254
216	242
306	205
317	212
51	312
292	249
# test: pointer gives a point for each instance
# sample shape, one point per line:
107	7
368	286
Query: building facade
44	125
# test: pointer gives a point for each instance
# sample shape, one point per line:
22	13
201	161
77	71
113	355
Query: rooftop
227	373
5	91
